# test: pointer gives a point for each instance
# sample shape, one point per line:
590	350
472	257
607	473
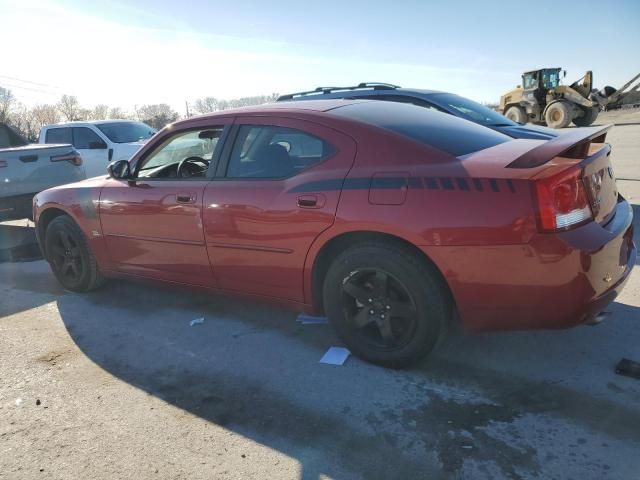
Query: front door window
185	155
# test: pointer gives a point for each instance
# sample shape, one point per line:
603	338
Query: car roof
89	122
307	106
362	89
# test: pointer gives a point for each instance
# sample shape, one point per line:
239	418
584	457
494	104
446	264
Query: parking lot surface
117	384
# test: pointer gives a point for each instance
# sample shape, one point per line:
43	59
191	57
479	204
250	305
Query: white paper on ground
196	321
335	356
311	320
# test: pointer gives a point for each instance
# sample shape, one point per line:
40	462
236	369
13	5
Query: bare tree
99	112
206	105
69	108
212	104
118	113
157	115
45	114
7	100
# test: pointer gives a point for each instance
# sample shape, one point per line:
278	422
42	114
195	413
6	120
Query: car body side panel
257	232
81	202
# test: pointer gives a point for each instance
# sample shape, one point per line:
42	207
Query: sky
126	54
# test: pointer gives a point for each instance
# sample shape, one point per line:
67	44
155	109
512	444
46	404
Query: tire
69	255
412	290
516	114
590	115
558	115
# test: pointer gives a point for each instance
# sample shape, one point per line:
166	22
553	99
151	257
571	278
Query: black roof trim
323	90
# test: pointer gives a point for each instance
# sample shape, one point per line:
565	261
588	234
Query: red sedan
391	219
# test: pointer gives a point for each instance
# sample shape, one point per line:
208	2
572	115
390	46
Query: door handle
310	201
185	198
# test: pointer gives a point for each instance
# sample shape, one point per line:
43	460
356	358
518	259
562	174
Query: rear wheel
590	115
558	115
387	305
71	261
516	114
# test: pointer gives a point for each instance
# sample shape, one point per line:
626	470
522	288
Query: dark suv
441	101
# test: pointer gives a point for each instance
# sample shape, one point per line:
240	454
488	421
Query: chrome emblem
596	179
607	278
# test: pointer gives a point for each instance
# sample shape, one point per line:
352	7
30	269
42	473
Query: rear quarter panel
433	200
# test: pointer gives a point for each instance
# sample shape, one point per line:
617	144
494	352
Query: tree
99	112
157	115
118	113
28	121
206	105
7	101
70	108
212	104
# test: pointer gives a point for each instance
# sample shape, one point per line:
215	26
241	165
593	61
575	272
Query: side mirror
97	145
120	170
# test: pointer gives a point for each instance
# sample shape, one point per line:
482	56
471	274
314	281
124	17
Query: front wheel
67	252
386	304
590	115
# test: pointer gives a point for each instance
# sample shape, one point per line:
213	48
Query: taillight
73	158
562	201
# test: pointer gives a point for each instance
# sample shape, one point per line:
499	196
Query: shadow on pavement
253	370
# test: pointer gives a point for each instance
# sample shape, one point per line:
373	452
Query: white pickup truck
100	141
27	169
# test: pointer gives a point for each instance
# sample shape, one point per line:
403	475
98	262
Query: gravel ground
116	384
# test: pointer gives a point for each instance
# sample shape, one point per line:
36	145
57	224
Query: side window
185	154
529	81
264	151
58	135
85	138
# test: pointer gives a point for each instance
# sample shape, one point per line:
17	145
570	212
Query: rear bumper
554	281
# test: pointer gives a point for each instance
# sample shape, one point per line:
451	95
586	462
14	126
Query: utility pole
186	104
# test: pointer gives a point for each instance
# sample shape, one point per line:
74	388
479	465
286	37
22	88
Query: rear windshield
126	132
470	110
445	132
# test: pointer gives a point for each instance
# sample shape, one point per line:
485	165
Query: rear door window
265	151
58	135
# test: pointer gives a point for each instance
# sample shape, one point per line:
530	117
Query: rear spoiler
573	144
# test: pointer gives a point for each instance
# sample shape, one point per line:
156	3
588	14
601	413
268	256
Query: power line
29	81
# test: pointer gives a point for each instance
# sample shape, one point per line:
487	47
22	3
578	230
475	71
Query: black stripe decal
432	183
462	184
389	182
446	183
415	182
393	183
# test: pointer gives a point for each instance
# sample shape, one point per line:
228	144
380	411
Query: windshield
470	110
126	132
